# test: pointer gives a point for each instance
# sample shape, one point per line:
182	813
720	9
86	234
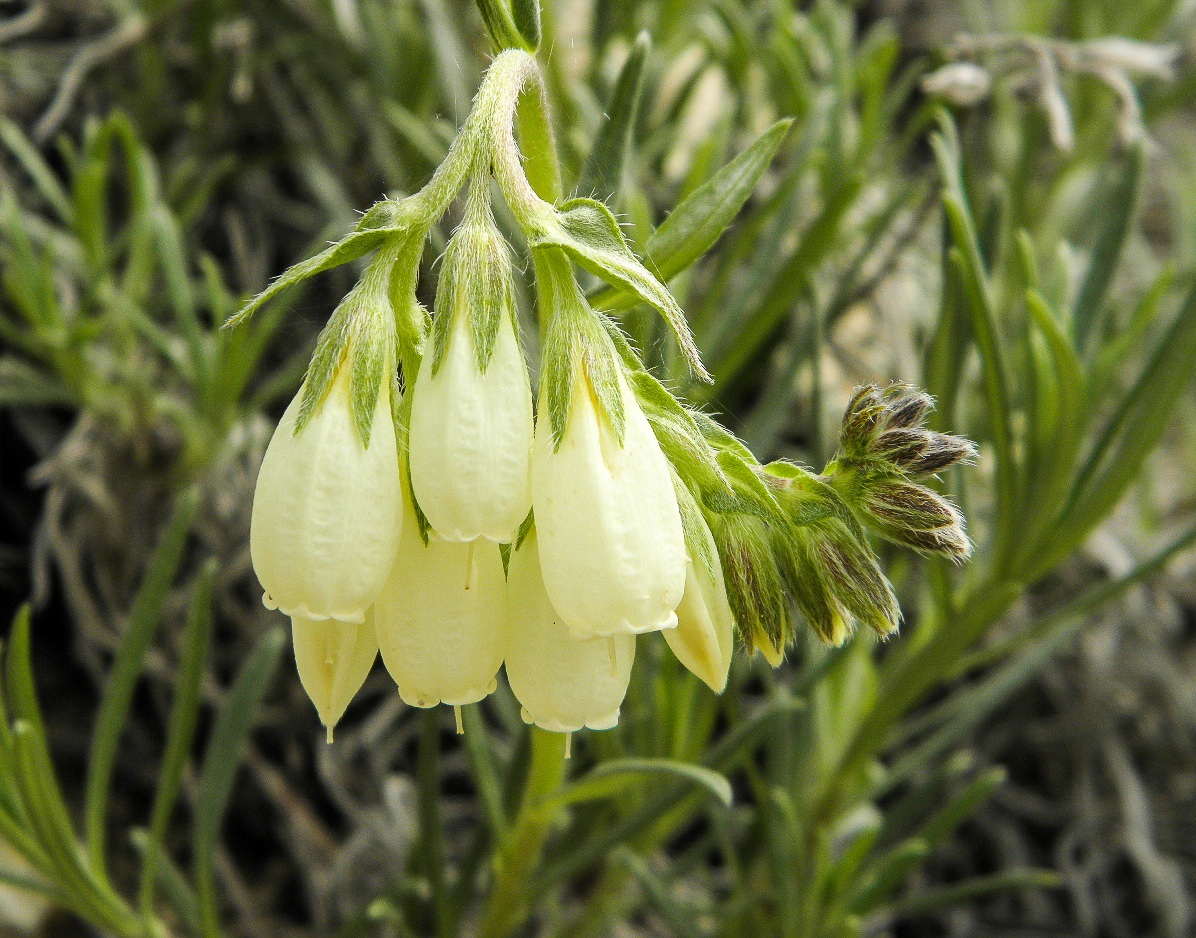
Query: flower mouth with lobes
611	542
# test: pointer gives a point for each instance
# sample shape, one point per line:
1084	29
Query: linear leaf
603	171
1117	216
699	221
221	759
126	669
38	169
1136	426
347	249
611	778
183	717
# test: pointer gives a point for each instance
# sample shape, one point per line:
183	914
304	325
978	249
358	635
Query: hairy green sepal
587	231
578	354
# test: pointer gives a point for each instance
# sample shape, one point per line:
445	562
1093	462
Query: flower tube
326	510
562	683
611	541
471	407
441	619
334	659
705	634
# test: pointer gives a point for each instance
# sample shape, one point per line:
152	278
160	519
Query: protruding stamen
457	717
568	745
328	735
469	565
614	664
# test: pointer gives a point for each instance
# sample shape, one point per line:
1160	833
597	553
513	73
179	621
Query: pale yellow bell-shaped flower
334	659
704	638
441	619
327	510
563	683
611	542
471	437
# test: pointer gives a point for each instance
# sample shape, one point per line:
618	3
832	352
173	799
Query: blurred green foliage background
1018	239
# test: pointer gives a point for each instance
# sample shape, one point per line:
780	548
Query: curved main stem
513	89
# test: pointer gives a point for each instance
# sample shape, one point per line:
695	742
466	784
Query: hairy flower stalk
471	410
562	683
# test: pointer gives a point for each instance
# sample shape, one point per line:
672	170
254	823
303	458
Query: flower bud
326	510
562	683
471	410
705	634
754	584
334	659
612	547
441	619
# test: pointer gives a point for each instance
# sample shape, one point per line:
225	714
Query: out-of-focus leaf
126	669
697	223
603	171
1117	213
183	717
221	759
610	778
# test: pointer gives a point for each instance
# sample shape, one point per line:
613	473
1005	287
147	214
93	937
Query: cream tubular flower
471	408
705	634
441	619
326	510
611	541
334	659
562	683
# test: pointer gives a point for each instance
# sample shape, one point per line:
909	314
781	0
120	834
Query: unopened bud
913	515
753	582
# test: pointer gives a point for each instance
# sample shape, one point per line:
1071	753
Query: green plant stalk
508	908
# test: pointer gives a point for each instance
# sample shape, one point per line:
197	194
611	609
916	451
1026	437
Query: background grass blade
126	669
221	761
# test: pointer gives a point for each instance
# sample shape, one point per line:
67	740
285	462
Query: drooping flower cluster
414	502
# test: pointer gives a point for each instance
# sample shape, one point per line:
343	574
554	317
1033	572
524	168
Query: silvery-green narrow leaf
221	760
609	778
696	224
1136	425
348	249
139	630
965	893
37	168
889	872
1115	216
184	715
603	171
